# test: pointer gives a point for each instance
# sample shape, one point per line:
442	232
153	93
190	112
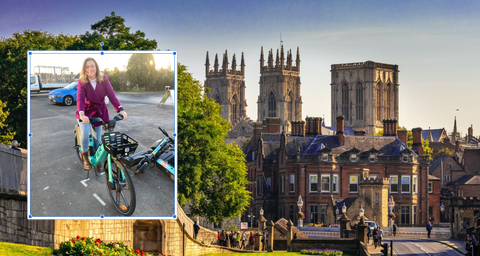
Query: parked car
67	95
371	224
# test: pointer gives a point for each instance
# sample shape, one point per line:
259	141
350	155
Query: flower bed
321	252
92	246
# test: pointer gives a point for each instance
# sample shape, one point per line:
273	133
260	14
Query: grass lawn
262	254
21	249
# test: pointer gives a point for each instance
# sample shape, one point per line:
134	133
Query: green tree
13	73
6	136
141	71
115	36
213	174
165	77
427	151
443	152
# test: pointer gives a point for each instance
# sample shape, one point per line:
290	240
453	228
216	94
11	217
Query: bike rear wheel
121	190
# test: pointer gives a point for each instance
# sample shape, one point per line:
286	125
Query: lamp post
251	216
300	204
361	213
391	206
442	211
337	212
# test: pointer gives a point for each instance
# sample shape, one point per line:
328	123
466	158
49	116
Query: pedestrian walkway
456	245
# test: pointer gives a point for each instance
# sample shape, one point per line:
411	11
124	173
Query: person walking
429	229
394	229
369	233
252	241
93	87
244	241
239	240
219	238
380	235
196	228
375	237
264	241
222	240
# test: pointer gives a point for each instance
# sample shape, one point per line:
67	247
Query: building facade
365	93
227	87
280	88
327	169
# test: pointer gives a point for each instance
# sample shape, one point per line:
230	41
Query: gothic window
345	101
359	101
234	109
387	101
377	101
272	105
217	99
291	116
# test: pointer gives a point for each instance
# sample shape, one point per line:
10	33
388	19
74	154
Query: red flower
83	238
137	251
73	240
78	237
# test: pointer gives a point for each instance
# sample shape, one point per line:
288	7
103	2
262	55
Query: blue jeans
85	133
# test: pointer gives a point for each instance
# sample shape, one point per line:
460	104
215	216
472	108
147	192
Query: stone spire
454	134
282	58
242	64
277	61
215	65
207	65
261	59
297	61
234	63
429	137
225	62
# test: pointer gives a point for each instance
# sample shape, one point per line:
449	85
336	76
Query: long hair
83	73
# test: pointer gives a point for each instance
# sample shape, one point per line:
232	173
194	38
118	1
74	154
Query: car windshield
71	86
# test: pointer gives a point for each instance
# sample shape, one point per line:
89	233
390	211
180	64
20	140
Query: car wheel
68	100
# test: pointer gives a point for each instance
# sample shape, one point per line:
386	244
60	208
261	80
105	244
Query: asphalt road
58	185
420	247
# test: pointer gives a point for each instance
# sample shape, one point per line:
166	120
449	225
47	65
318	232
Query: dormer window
372	157
325	157
353	157
405	158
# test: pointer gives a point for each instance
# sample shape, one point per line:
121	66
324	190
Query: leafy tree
427	151
5	134
165	77
13	74
213	174
141	70
443	152
115	36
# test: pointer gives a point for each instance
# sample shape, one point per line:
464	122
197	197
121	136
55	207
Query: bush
321	252
90	246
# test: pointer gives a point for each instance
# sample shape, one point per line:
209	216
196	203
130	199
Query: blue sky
435	43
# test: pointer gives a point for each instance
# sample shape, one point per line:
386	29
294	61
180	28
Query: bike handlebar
99	120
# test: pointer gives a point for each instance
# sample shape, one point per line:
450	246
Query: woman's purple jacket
92	101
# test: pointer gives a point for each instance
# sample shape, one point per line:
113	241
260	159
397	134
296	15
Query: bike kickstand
88	174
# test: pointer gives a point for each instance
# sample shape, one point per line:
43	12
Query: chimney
272	125
313	126
417	140
340	134
457	146
402	136
298	128
359	133
394	127
257	131
446	140
386	131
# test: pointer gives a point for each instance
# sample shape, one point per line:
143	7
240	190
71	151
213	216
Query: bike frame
160	161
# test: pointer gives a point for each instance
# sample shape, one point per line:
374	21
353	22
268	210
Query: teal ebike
114	146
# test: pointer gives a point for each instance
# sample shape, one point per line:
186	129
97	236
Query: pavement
456	245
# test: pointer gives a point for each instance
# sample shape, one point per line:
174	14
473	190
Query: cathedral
365	93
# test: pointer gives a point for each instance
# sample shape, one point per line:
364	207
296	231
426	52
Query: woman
93	86
251	240
375	237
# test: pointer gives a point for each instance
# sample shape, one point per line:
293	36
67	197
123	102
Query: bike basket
117	143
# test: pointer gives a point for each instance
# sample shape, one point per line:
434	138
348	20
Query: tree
115	36
13	74
141	70
443	152
165	77
5	134
427	151
213	174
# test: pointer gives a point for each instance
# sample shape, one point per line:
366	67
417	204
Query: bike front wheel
121	190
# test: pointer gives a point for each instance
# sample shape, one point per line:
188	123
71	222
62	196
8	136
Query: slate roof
436	133
436	163
346	130
473	179
385	145
437	146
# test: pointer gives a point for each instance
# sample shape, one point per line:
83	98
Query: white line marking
46	188
84	182
100	200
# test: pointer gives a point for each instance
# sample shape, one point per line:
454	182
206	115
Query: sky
434	43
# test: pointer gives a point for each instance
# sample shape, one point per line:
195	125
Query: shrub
91	246
321	252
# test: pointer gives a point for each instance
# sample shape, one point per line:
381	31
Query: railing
13	170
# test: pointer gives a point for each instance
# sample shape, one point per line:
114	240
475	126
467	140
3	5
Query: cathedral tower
227	87
365	93
280	88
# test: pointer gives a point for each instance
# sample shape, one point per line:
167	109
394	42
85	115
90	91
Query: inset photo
102	135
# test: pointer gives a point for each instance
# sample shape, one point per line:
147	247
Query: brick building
325	169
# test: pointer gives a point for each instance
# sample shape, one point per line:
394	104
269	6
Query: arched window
359	101
387	101
272	105
378	101
345	101
291	110
234	109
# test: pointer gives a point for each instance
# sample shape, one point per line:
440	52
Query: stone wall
16	228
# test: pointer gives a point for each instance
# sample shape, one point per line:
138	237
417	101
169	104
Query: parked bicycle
114	147
162	155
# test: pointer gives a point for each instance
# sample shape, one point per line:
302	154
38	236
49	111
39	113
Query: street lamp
300	204
391	206
261	211
337	212
344	209
361	213
442	210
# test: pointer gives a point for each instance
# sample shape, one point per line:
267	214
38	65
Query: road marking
84	182
46	188
100	200
421	248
